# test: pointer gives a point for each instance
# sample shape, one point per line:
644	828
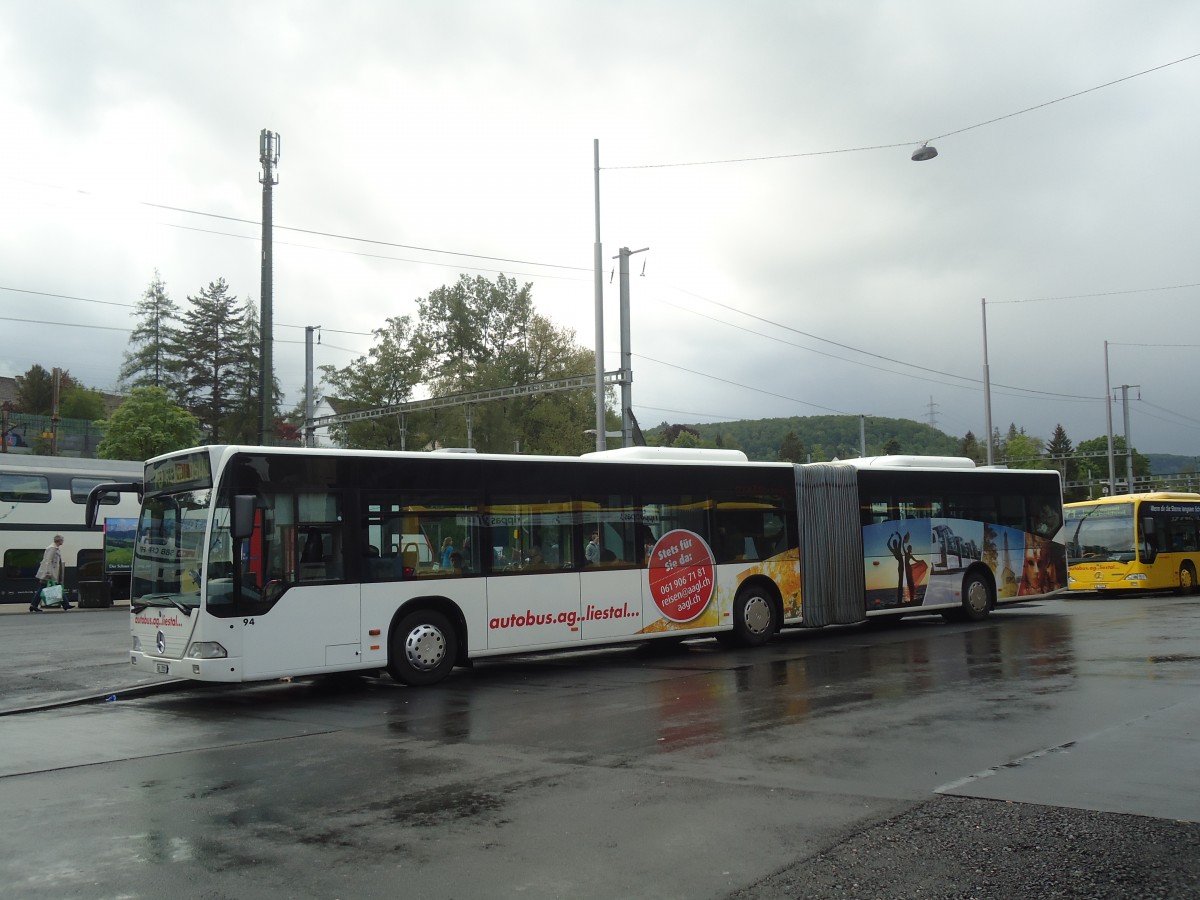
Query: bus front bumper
222	669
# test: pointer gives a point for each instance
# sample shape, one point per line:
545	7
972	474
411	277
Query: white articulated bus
257	563
41	496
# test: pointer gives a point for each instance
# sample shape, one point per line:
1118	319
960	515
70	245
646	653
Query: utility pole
626	374
268	155
6	409
1128	439
598	278
57	376
987	383
310	432
1112	467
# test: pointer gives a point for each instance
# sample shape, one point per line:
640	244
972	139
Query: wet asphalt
1110	811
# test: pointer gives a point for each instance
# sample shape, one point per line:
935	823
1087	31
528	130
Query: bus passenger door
612	602
532	610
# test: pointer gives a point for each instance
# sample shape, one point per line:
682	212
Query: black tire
423	648
977	599
1187	579
755	615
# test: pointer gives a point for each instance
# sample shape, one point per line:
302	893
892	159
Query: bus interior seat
381	568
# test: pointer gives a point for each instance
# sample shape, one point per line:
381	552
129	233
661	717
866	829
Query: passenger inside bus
535	560
1047	521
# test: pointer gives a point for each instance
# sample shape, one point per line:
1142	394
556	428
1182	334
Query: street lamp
924	152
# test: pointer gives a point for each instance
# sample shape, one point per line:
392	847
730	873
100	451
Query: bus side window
530	533
616	521
978	507
918	508
1046	518
1012	512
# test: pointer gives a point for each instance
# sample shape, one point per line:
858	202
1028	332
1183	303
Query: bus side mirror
97	494
242	525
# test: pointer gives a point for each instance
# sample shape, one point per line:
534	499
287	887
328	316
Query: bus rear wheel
1187	579
976	598
423	648
755	616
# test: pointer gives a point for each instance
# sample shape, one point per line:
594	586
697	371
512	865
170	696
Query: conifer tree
150	362
211	345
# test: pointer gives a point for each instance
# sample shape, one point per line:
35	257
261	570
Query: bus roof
75	465
911	462
665	454
1137	498
624	454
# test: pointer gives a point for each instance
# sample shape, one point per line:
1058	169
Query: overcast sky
820	271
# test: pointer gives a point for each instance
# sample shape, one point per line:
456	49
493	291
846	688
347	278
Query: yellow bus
1134	542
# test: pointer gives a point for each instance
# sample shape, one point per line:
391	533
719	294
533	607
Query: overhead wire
463	254
892	146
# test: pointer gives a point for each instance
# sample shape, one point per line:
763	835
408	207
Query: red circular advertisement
681	575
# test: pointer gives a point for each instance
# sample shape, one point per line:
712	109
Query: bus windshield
168	549
1103	532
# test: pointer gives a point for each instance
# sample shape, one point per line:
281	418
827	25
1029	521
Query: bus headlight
1137	576
206	650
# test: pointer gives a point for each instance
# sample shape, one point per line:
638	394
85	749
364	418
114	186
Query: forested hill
1170	464
824	437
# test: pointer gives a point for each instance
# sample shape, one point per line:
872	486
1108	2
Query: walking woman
51	570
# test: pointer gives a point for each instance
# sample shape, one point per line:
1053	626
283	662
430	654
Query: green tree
243	420
971	448
474	332
792	449
212	343
686	439
152	359
145	425
479	335
35	390
670	435
472	336
1022	451
386	376
1061	455
998	451
547	423
81	403
1092	458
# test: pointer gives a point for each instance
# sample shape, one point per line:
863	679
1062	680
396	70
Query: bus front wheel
1187	579
424	647
754	616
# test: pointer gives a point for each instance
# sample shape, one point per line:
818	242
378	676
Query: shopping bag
52	595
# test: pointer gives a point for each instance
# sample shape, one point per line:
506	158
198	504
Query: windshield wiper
141	603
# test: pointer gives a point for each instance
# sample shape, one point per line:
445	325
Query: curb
132	692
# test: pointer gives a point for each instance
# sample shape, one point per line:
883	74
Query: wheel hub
758	615
977	596
425	647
